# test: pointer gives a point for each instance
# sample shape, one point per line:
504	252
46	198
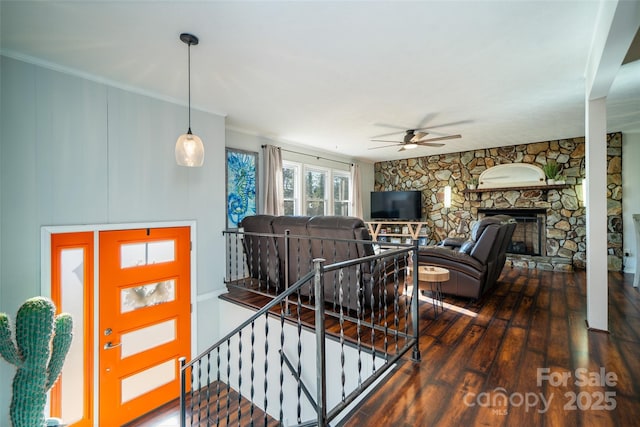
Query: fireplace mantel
519	188
543	188
513	211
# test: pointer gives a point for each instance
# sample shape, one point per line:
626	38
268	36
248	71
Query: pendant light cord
189	80
189	148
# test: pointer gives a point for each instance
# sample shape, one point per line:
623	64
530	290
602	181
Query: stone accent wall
565	233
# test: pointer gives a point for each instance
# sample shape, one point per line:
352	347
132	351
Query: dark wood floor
168	415
502	360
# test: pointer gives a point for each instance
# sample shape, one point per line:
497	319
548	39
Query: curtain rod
311	155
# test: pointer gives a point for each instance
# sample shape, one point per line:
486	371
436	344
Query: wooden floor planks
534	319
477	355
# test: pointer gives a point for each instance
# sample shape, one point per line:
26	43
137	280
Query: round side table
434	276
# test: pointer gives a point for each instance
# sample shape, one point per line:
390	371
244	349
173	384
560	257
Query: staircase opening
326	320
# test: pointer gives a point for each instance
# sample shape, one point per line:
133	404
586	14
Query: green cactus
42	341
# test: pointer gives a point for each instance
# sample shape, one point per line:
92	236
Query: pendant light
189	148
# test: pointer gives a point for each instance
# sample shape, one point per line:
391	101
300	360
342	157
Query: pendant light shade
189	147
189	150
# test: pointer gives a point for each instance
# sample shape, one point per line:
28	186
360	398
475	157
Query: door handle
109	345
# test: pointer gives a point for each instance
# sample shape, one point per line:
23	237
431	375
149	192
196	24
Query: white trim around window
295	194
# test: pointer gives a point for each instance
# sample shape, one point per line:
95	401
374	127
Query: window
314	190
291	176
341	187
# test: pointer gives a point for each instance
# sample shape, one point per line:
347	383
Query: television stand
399	231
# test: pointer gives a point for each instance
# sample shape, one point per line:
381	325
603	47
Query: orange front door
144	320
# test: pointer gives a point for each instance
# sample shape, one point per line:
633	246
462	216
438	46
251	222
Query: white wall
79	152
630	196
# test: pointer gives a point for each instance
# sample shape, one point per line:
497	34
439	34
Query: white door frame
45	277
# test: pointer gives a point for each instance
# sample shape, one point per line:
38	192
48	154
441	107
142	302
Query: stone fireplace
529	236
555	239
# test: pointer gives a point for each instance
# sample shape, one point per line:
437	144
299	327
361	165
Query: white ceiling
332	75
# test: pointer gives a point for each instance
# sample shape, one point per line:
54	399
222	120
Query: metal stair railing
231	381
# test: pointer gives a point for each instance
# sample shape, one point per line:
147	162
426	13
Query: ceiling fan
414	138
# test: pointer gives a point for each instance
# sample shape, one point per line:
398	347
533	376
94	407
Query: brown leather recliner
509	225
475	264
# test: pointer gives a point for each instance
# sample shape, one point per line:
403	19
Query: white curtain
356	196
273	181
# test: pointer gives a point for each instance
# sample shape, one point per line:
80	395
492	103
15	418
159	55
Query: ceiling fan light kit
189	148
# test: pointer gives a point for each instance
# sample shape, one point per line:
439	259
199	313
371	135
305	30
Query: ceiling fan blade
403	129
418	136
461	122
392	126
389	134
440	138
386	140
427	119
415	135
382	146
430	144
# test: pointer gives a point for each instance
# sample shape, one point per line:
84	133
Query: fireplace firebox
529	235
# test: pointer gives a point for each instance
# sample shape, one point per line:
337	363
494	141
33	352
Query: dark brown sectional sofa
333	238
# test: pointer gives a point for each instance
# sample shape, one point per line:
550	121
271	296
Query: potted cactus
42	341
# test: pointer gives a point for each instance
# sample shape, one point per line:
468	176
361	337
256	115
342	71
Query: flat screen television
406	205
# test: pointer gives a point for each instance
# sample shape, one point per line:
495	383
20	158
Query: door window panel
139	254
143	382
144	339
137	297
